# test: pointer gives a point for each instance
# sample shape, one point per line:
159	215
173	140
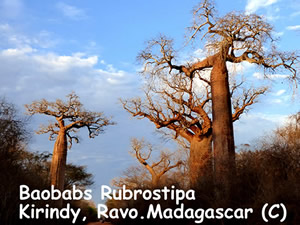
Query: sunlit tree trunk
200	161
58	163
155	181
223	140
59	160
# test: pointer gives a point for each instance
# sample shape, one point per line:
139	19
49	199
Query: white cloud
261	76
296	27
17	52
28	74
71	12
9	36
28	71
65	63
112	81
272	17
280	92
253	5
278	119
254	125
278	34
239	68
200	54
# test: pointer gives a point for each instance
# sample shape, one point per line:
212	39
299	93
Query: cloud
71	12
239	68
280	92
253	5
278	34
296	27
65	63
254	125
28	74
17	52
28	70
261	76
10	37
200	54
271	17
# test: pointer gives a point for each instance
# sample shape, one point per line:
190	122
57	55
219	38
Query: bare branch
158	168
52	129
202	16
249	97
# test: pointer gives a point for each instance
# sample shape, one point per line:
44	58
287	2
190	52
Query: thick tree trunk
58	163
200	162
223	140
155	181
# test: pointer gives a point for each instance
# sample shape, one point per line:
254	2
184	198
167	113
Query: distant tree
13	139
12	128
70	116
135	176
290	133
156	168
233	38
138	176
77	175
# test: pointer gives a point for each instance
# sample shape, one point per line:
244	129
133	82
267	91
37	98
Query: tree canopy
71	116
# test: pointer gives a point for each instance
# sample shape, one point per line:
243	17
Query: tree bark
58	163
223	139
155	181
200	161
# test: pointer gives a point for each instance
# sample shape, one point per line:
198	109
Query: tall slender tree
70	117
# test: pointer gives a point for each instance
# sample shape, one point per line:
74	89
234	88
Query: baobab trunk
223	140
58	163
200	161
155	181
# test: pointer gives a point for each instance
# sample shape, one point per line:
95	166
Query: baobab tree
182	104
235	38
70	117
156	169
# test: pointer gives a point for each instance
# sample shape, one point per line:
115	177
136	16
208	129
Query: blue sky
49	48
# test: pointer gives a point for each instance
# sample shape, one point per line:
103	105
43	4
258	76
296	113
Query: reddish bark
200	161
59	160
223	139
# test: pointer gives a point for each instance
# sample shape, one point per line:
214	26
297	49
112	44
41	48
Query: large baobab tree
70	117
235	37
156	169
182	104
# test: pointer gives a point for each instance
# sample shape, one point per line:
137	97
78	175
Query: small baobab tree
156	169
70	117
